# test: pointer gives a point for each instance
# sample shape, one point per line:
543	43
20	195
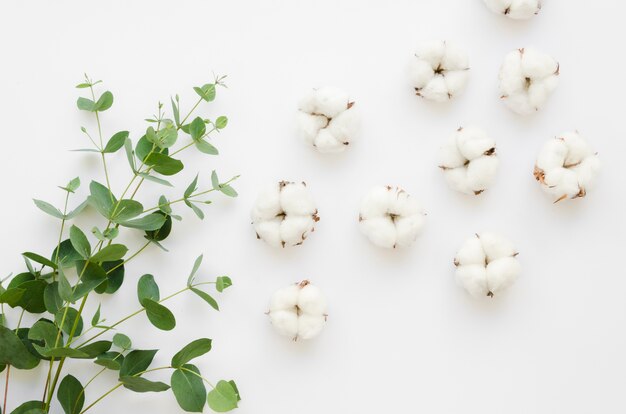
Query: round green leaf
160	316
147	289
162	233
189	389
224	397
71	395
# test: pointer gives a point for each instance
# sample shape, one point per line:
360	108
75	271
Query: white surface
401	336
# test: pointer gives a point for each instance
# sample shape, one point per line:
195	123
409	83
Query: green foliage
71	395
82	265
189	389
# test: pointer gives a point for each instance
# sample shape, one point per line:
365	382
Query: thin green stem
56	255
191	196
6	389
197	375
103	396
138	252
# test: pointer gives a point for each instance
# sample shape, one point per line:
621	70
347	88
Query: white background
402	336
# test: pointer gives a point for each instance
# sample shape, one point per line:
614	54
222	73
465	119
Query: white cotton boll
381	231
566	166
515	9
295	199
291	222
298	311
285	298
311	300
486	264
327	120
471	253
527	79
439	70
269	231
267	203
310	125
285	322
390	217
495	246
502	273
469	161
295	229
474	279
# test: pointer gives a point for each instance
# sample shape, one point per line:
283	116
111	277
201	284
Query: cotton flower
469	160
298	311
284	214
390	217
327	119
515	9
439	70
566	166
527	78
486	265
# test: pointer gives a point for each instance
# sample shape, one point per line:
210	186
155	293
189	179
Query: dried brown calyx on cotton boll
566	166
284	214
486	265
298	311
328	120
469	161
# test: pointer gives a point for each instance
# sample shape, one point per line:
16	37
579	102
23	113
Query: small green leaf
190	351
114	277
71	395
147	288
222	283
206	92
40	259
221	122
139	384
130	154
224	397
101	199
30	407
108	234
51	298
73	185
83	85
149	222
85	104
215	181
92	276
191	188
197	128
71	317
160	316
65	289
126	210
162	233
164	164
104	102
77	210
110	360
67	255
116	142
176	112
48	208
110	253
96	317
194	270
95	349
195	209
228	190
12	296
32	299
206	297
14	352
155	179
137	361
80	242
122	341
46	333
205	147
189	389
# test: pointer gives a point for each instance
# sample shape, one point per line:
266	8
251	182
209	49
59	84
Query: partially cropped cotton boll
486	265
390	217
527	79
468	160
284	214
515	9
439	70
298	311
327	119
566	166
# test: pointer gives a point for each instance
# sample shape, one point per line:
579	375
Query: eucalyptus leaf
215	181
206	92
136	362
51	298
122	341
40	259
206	297
189	389
79	209
224	397
163	232
147	288
197	128
116	142
176	112
101	199
148	222
69	317
71	395
96	317
114	277
195	209
190	351
139	384
221	122
30	407
205	147
110	253
80	242
155	179
228	190
48	209
85	104
164	164
95	349
110	360
191	188
13	351
104	102
160	316
194	270
222	283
